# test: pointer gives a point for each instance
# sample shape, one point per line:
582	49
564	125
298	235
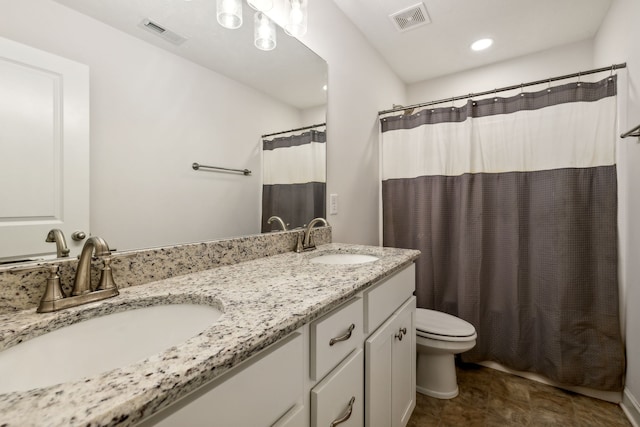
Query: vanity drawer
333	337
386	296
255	393
340	395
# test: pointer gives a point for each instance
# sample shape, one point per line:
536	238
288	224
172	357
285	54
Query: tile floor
493	398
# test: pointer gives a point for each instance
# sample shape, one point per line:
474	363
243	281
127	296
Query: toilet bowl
439	336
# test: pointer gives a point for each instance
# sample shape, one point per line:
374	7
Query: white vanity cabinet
388	344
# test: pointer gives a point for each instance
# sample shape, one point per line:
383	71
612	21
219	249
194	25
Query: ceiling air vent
159	30
410	18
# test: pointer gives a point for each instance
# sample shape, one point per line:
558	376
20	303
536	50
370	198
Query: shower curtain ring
521	89
579	75
611	73
549	86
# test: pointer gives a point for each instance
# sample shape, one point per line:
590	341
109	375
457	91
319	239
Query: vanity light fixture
261	5
481	44
229	13
264	32
296	11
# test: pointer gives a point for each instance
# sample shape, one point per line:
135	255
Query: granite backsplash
22	286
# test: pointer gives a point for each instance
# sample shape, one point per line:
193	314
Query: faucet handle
106	276
298	248
53	291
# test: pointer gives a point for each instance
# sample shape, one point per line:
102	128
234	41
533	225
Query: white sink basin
100	344
343	259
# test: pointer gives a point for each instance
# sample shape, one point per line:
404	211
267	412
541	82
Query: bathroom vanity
298	344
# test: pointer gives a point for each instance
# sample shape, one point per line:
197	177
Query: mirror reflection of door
44	150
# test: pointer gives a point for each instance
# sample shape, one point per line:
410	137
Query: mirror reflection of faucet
56	235
54	298
278	220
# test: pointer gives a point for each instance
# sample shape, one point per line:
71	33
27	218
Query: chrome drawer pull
347	414
344	337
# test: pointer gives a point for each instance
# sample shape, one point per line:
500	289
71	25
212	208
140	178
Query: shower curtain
294	178
513	203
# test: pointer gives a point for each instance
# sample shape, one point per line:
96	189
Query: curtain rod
506	88
295	130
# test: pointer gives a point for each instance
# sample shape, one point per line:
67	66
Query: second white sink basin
100	344
343	259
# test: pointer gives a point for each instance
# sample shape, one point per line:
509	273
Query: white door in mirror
44	141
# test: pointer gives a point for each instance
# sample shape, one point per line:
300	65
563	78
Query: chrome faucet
279	221
308	243
57	236
54	298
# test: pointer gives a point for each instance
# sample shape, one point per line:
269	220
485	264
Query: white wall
549	63
360	84
152	115
314	115
617	41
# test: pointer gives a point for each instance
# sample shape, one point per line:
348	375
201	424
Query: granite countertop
262	301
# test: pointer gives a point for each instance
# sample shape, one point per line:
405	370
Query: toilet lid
442	324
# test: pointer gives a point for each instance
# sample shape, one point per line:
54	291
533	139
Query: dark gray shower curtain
527	254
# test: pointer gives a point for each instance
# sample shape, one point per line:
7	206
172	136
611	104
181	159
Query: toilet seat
441	326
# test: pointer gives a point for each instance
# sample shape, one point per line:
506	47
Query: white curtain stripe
556	137
295	165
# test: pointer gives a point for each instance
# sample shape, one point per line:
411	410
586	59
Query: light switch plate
333	204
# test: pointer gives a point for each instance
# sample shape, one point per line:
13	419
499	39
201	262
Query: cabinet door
403	365
390	370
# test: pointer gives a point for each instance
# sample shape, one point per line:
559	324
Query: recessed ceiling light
481	44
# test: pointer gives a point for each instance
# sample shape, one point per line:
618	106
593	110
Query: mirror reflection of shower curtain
294	178
513	203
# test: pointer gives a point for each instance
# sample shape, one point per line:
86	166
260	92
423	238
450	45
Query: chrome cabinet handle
344	337
346	415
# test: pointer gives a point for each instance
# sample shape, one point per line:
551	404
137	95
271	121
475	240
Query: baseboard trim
631	408
609	396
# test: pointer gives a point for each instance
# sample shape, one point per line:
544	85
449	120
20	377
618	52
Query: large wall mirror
164	95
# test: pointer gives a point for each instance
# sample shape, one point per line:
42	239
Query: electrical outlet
333	204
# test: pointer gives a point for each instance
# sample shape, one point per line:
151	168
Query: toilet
438	337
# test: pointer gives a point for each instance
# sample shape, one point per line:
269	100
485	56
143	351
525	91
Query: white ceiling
291	73
518	27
